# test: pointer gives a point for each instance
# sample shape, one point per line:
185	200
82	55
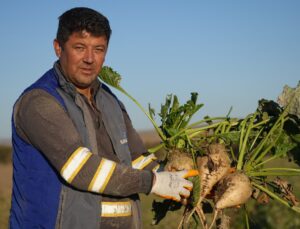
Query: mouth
87	71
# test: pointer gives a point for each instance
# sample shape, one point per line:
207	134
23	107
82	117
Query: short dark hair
79	19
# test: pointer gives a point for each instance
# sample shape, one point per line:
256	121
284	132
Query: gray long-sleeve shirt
41	121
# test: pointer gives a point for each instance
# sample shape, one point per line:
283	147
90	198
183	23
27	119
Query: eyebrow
81	43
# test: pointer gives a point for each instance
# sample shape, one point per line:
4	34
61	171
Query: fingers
191	173
187	185
188	173
184	192
173	185
176	198
182	197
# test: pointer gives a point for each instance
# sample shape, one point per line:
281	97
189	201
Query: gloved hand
172	185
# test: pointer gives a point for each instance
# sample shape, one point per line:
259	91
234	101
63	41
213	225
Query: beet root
233	190
178	160
212	167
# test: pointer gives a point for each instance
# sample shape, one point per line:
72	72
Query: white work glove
172	185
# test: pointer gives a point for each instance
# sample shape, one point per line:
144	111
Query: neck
86	92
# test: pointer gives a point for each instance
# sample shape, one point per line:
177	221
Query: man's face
81	58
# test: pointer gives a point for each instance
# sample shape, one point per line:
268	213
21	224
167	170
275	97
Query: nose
88	56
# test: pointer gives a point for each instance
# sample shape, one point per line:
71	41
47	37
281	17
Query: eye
99	49
79	48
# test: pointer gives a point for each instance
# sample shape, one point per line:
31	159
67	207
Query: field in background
5	192
262	217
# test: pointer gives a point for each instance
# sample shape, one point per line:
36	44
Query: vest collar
69	87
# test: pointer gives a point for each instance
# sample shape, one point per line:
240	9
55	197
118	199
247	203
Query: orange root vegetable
212	168
233	190
178	160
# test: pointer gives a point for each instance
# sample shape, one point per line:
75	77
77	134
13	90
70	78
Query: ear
57	48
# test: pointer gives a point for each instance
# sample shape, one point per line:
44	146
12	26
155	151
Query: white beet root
212	167
233	190
178	160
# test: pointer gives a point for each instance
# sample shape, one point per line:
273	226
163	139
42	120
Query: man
78	162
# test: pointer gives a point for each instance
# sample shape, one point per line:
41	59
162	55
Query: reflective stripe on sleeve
156	168
142	161
102	176
75	163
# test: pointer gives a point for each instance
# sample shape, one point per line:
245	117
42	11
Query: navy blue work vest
37	187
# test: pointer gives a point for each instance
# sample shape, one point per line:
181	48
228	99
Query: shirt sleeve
43	122
141	159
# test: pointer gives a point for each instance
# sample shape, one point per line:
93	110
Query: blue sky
232	53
